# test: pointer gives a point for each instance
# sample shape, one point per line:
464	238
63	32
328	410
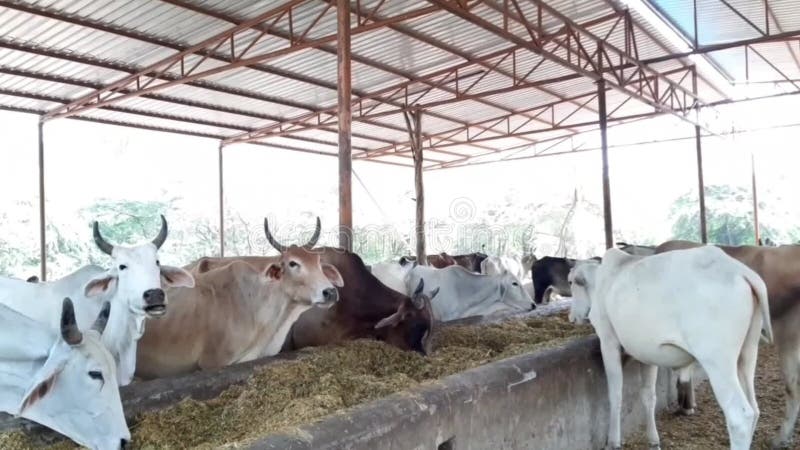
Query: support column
601	100
756	225
414	124
701	187
221	204
345	150
42	225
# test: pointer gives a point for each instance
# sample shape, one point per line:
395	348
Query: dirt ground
706	428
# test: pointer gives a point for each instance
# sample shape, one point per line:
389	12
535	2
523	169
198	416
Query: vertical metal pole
756	225
415	134
345	151
221	204
601	100
696	39
42	233
701	186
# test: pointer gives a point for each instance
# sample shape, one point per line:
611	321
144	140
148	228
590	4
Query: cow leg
790	366
739	415
686	402
648	396
612	362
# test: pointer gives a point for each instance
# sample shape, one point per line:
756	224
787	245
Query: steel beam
221	180
42	224
601	95
662	94
345	151
144	81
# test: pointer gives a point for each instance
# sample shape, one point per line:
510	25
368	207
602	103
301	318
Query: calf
463	293
133	286
672	310
550	274
59	379
238	312
779	267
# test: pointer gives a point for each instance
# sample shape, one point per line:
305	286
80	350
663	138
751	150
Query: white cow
133	286
393	273
672	310
496	265
463	293
60	381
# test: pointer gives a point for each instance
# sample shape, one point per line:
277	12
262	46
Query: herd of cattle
69	344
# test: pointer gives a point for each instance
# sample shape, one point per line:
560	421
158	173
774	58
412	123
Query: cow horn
275	244
315	237
162	234
419	288
102	318
102	244
69	329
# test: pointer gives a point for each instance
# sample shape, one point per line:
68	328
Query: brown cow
236	312
469	261
364	304
779	267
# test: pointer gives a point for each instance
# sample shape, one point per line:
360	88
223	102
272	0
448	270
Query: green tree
729	216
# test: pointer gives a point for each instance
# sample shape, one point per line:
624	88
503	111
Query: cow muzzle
329	297
155	302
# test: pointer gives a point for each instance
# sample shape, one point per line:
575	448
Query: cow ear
390	321
332	274
44	379
274	271
176	277
100	286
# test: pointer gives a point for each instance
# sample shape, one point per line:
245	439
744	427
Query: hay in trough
322	381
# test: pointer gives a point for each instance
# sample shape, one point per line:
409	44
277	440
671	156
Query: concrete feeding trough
554	399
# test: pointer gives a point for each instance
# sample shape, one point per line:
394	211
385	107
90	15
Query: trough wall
555	399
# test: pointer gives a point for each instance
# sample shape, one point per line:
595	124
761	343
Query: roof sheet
56	51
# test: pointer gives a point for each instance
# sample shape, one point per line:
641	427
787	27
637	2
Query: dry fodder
322	381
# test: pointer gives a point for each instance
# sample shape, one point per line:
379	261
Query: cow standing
780	269
58	379
133	286
238	312
673	310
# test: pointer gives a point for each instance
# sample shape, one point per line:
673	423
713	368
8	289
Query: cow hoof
684	412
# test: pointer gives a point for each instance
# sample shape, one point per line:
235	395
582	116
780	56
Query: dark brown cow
469	261
779	267
364	303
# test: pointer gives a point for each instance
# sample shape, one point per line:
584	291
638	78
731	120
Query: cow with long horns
133	285
238	312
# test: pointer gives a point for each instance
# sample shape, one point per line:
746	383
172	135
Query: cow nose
154	296
123	443
533	305
330	294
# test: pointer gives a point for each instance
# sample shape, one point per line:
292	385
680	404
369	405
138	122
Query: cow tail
760	291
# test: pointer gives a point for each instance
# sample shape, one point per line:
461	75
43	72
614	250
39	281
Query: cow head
581	279
416	316
136	274
75	392
513	294
303	278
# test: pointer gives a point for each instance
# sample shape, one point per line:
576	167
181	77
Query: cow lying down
672	310
462	293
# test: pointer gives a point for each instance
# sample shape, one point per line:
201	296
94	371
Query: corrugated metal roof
55	51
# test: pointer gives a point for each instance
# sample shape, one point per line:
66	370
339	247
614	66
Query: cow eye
515	283
96	375
158	263
293	264
122	267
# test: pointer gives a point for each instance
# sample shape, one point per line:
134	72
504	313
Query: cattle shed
434	84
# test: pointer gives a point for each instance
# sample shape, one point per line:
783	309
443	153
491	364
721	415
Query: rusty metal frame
148	80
